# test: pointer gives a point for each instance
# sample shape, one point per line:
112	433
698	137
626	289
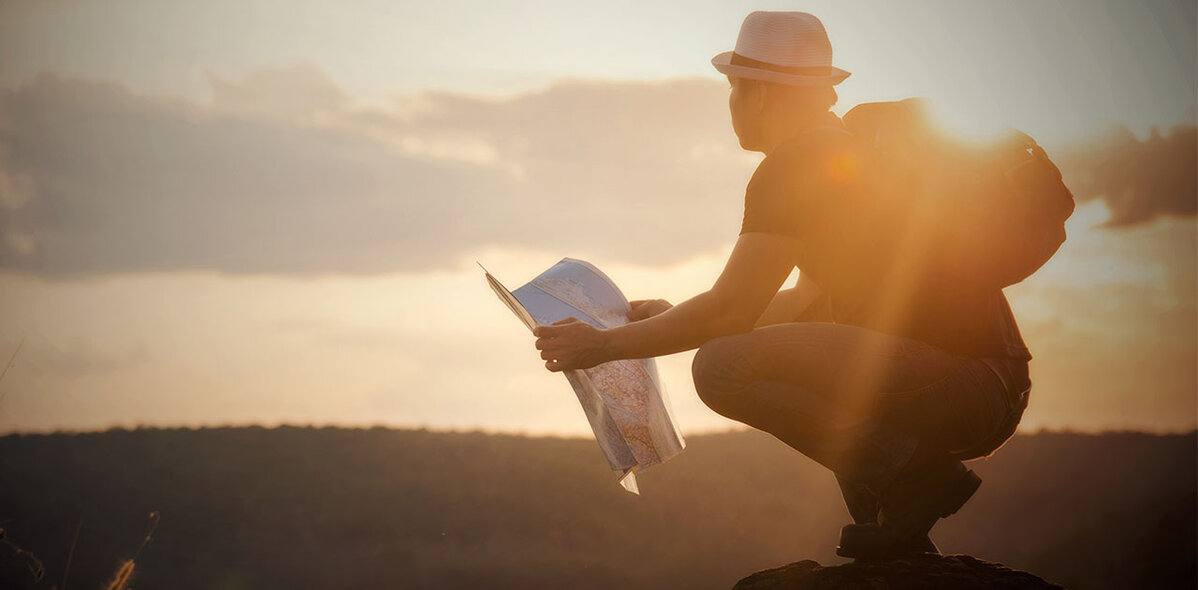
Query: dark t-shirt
811	189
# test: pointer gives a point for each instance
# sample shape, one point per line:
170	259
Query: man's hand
571	344
643	309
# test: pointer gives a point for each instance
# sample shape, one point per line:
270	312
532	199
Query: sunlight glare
970	122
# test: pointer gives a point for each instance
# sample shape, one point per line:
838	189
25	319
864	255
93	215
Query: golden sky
269	212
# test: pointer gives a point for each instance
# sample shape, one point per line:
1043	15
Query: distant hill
342	508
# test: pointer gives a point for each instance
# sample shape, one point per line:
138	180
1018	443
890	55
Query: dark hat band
822	71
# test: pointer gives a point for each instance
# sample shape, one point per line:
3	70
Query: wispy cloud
260	181
281	173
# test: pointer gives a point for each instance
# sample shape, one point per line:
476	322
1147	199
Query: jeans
866	405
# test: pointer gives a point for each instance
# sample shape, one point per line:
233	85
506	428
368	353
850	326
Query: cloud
298	94
78	358
1138	180
280	173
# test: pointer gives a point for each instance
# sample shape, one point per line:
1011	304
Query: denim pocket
1014	374
965	409
987	407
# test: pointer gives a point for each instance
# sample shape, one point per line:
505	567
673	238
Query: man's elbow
730	318
735	325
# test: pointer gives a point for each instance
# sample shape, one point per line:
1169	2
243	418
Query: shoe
867	542
909	509
912	505
861	502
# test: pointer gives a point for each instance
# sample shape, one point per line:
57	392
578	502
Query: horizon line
1193	430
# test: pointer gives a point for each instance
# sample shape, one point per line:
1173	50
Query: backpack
981	215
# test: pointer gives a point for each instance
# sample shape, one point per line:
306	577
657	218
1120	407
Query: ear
759	97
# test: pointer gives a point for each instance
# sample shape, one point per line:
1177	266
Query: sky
269	212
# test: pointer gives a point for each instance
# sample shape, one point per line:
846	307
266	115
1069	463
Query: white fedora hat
783	47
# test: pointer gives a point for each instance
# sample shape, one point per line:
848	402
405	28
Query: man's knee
716	378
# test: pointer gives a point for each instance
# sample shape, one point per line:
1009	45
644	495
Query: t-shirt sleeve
794	189
776	199
770	202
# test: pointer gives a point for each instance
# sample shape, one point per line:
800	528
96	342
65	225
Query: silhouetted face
764	112
745	102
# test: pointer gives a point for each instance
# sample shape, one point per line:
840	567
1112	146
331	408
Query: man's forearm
685	326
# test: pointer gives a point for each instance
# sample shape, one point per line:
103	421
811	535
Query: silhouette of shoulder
805	181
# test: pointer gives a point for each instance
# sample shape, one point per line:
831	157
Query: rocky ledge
924	572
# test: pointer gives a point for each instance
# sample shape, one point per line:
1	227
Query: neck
783	130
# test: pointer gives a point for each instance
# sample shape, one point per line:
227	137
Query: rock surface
924	572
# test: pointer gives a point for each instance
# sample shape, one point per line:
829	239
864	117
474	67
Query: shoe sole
874	542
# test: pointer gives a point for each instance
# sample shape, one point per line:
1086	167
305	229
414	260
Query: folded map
624	401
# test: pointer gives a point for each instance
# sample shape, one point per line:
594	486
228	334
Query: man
884	381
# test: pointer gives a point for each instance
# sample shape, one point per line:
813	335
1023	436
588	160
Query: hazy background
291	507
267	212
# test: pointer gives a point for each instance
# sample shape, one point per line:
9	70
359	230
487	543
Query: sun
973	123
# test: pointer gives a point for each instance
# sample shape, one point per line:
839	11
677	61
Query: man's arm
788	304
758	265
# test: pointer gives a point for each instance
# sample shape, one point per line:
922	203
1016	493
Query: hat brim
723	63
